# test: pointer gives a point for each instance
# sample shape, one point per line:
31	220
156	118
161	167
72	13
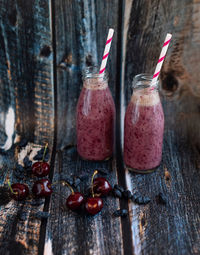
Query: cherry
101	186
93	204
74	201
42	188
18	191
40	169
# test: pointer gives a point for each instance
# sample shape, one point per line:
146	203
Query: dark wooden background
44	45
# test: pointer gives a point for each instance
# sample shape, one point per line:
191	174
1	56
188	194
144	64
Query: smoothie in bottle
95	117
143	127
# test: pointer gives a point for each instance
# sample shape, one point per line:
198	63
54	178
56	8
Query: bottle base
142	171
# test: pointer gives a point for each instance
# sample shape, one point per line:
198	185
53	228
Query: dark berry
117	193
127	194
74	201
40	153
120	188
101	186
94	205
40	169
27	162
19	171
141	200
103	171
20	191
120	213
161	199
42	188
19	168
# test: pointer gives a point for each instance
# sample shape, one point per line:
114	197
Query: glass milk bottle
143	126
95	117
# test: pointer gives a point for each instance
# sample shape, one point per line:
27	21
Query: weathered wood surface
174	228
26	111
78	32
80	43
78	233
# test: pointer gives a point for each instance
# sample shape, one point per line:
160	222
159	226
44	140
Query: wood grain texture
26	68
81	31
75	233
26	111
174	228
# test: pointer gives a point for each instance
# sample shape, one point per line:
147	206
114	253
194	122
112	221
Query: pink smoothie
95	121
143	133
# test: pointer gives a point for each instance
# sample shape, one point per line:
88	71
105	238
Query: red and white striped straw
161	58
106	50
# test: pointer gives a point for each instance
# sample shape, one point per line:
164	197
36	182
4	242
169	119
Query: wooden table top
44	47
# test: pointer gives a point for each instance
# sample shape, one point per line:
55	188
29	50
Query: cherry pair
99	186
20	191
41	188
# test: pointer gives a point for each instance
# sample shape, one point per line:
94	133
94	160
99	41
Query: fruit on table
40	169
94	205
42	188
19	191
74	201
101	186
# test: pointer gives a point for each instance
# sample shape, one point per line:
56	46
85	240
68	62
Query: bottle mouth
144	80
93	72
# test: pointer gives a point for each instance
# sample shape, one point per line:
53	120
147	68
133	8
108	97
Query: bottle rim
93	72
144	80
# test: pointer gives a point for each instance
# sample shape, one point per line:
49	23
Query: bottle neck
93	80
145	97
95	83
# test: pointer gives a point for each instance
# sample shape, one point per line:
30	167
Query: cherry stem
45	149
68	185
95	172
9	185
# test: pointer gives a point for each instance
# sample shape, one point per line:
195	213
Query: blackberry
120	188
27	162
103	171
140	200
127	194
117	193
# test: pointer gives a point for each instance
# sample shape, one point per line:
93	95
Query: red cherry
42	188
40	169
101	186
19	191
74	201
94	205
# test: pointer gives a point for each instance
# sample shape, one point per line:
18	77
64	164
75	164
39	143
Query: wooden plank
171	228
26	69
75	233
81	28
26	111
81	31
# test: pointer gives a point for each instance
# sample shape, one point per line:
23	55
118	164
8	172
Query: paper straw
161	58
106	50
